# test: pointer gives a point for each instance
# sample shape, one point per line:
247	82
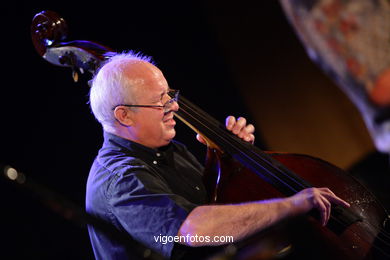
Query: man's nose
175	106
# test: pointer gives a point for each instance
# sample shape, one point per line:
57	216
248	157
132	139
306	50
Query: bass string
241	147
277	180
192	111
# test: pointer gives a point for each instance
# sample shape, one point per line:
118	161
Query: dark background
47	129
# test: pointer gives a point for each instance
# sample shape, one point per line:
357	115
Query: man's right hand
318	198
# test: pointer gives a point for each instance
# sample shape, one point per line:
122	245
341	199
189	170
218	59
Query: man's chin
170	135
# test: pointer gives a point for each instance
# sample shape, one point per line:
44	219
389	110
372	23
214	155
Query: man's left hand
240	128
237	127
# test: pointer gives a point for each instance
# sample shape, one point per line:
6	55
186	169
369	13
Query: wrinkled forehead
144	78
143	74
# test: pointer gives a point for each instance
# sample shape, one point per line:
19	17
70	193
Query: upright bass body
362	236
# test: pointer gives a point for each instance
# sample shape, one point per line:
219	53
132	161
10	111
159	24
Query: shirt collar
155	156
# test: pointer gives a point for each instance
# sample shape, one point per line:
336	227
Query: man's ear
124	116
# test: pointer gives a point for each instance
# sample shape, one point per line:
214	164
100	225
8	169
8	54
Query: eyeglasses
173	93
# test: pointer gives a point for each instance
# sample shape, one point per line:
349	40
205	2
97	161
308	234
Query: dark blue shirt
142	191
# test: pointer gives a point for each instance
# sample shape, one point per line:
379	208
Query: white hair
110	87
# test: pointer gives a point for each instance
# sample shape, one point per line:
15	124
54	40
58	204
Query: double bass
237	171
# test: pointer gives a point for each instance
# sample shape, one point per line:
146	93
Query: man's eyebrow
158	96
164	92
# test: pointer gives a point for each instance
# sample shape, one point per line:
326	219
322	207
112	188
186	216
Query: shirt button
154	162
197	188
158	154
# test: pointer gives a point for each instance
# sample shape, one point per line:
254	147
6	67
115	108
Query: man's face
151	126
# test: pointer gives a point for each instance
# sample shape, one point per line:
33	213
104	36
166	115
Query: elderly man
150	186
